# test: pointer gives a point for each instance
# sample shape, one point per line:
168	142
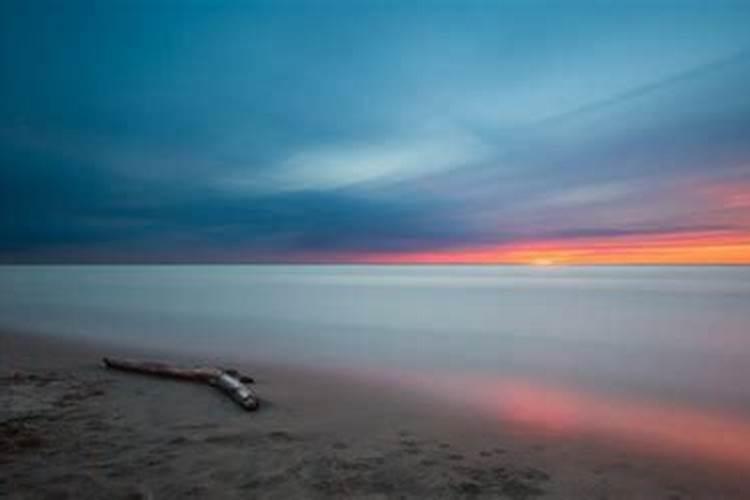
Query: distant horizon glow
684	249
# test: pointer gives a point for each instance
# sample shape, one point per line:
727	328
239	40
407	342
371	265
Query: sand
72	429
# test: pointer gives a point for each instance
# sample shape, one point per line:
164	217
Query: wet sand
71	429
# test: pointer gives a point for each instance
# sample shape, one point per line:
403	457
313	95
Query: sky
521	132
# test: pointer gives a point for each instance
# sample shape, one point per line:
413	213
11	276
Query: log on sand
228	381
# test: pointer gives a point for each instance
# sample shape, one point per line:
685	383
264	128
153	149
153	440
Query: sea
636	354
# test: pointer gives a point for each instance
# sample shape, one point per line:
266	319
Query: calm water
563	348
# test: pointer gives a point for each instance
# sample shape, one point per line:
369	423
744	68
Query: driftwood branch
229	381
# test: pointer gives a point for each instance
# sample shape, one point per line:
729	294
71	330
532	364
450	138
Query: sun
542	262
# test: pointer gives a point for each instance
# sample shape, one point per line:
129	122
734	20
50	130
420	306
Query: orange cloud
704	247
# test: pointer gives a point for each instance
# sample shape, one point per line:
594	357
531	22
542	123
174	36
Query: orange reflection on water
660	428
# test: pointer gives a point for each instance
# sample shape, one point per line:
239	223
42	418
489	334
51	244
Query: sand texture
72	429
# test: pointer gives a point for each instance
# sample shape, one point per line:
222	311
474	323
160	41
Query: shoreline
73	429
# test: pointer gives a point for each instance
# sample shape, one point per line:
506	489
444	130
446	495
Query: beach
377	249
72	429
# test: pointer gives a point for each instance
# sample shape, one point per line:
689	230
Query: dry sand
71	429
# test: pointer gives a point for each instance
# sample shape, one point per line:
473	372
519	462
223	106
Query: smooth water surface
663	342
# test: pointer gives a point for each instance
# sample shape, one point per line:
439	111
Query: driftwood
229	381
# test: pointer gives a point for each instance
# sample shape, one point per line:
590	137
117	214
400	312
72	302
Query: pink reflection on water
649	426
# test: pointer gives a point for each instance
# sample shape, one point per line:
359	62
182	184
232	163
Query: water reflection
654	427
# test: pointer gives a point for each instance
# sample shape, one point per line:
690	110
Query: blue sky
262	131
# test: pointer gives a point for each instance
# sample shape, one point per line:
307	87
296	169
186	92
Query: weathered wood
228	381
160	369
239	392
242	377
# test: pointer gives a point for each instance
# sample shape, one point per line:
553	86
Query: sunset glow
723	248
